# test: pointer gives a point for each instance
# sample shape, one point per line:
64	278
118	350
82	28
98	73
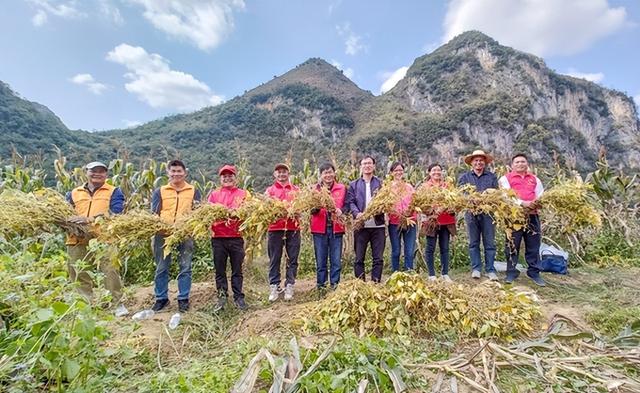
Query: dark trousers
363	237
532	239
232	248
276	240
442	235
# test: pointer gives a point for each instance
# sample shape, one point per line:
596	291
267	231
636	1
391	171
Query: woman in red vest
440	229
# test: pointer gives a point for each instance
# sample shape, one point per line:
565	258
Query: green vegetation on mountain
471	92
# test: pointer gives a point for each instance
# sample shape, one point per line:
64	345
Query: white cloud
392	79
595	77
39	19
352	42
155	83
111	12
131	123
87	80
63	9
541	27
348	72
204	23
334	5
636	98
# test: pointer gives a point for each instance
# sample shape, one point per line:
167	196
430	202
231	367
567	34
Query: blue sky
103	64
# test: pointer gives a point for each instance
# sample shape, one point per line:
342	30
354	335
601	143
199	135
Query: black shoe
241	304
511	277
160	304
537	279
222	301
183	305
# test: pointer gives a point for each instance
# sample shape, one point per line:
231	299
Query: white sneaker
492	276
121	311
432	278
288	292
475	274
446	278
273	294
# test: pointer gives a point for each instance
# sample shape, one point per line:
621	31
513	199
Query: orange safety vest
87	205
175	203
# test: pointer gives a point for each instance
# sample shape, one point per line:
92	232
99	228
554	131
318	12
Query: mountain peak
318	73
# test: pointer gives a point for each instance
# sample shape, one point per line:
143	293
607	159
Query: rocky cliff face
471	92
508	101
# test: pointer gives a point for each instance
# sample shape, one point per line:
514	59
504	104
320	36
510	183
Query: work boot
160	304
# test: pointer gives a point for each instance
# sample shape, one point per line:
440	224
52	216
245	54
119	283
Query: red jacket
319	220
443	218
283	193
231	198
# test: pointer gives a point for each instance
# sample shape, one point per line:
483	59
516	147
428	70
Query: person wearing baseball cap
480	226
226	239
90	200
283	233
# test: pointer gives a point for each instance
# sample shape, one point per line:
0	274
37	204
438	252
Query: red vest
231	198
283	193
524	186
319	220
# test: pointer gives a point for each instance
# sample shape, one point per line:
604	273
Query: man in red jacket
226	240
282	233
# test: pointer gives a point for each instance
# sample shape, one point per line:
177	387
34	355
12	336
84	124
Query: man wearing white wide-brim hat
480	226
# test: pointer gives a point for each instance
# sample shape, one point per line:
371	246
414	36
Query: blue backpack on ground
553	262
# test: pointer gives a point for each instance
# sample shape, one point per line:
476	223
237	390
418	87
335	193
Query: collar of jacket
287	186
187	186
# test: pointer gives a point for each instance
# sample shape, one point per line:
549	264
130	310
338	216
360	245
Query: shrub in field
408	304
50	336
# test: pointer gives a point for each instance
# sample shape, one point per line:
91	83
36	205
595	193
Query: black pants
232	248
532	239
361	238
276	240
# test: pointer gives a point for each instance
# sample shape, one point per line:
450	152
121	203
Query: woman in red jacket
441	229
327	230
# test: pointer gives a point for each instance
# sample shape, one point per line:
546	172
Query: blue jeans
442	235
328	246
408	237
481	226
185	255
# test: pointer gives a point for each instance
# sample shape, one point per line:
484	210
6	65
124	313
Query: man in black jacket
359	195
